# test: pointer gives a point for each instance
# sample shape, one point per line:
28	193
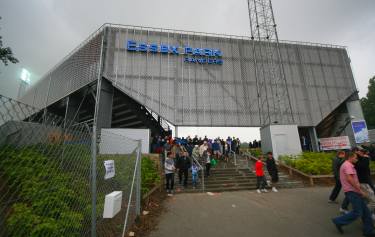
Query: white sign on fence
335	143
109	169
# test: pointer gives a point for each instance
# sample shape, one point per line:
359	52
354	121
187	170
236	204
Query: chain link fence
46	181
124	153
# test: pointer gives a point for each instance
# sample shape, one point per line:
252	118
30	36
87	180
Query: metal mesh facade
319	77
76	70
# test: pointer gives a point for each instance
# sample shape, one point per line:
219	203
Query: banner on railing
335	143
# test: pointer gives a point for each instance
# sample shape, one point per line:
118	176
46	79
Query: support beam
314	139
105	105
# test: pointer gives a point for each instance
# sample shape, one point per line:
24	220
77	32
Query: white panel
284	139
123	140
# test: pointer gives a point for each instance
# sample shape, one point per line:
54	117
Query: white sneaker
274	189
264	190
342	210
258	191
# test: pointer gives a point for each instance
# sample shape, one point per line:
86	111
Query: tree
6	54
368	104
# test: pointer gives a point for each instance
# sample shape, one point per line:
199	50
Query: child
261	180
207	157
169	169
194	174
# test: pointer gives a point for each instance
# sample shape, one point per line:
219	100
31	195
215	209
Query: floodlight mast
24	82
273	95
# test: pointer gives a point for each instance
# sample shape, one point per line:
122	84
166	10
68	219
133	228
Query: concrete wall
284	140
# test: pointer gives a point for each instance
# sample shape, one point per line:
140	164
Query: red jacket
259	168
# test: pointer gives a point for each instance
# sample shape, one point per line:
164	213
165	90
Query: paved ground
302	212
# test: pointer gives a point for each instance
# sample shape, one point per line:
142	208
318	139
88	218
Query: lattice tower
273	95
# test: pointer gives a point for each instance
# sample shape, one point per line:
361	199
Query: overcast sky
42	32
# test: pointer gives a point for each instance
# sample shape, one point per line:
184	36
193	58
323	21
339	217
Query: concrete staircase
227	177
222	179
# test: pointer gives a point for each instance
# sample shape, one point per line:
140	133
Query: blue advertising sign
192	55
360	131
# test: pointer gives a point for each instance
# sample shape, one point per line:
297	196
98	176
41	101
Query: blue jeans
360	209
194	178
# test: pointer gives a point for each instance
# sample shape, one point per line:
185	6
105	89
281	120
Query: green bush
51	187
150	174
313	163
49	202
255	151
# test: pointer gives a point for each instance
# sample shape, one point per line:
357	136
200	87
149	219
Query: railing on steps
202	169
234	157
292	171
311	178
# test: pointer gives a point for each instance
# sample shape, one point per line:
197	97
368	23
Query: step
228	185
220	182
233	168
229	173
214	182
232	188
219	189
223	178
227	182
235	188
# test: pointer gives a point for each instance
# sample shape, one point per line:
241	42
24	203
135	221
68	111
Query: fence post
95	139
139	179
311	181
93	183
134	180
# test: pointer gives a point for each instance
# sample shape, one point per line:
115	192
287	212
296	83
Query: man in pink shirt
352	190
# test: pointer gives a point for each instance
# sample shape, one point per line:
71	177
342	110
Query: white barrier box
112	204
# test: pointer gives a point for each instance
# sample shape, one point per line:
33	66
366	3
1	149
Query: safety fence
52	184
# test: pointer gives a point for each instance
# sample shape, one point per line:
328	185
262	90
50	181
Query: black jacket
183	162
336	164
363	169
271	166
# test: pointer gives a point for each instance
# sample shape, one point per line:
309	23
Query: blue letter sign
192	55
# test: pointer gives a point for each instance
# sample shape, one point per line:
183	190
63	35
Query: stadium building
141	77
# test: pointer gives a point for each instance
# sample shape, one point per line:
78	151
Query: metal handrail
234	157
201	167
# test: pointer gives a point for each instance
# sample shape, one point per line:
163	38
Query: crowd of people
351	171
184	154
223	146
352	174
193	154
